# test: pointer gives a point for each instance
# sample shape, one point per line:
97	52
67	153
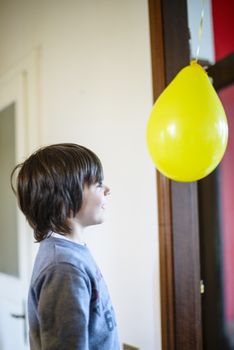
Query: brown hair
49	186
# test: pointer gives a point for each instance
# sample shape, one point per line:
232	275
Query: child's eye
99	184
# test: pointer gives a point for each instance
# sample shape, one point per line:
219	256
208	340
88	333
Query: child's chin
97	222
100	221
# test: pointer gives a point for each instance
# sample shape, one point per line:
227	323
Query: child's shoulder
63	251
56	253
70	252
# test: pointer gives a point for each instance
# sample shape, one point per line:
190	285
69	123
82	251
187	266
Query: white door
17	128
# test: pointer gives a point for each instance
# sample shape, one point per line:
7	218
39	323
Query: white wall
194	16
95	89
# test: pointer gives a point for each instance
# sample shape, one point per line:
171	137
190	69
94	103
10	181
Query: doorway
18	112
216	205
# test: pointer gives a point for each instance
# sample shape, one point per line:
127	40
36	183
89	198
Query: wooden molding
163	188
177	202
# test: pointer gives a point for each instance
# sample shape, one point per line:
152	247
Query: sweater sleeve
63	309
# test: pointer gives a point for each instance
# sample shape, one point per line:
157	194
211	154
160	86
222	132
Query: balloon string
200	31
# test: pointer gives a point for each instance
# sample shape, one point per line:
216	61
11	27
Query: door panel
12	278
216	207
8	215
18	138
13	331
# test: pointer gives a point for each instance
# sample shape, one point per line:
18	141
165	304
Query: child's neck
77	232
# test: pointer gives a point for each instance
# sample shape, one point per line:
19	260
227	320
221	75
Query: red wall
223	27
223	19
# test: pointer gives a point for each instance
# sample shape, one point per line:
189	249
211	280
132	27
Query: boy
60	191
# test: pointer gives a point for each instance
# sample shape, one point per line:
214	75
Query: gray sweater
69	307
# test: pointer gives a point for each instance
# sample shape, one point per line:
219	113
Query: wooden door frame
177	202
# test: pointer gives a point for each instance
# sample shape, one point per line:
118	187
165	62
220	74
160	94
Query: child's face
92	211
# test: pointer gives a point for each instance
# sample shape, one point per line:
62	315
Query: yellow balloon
187	130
